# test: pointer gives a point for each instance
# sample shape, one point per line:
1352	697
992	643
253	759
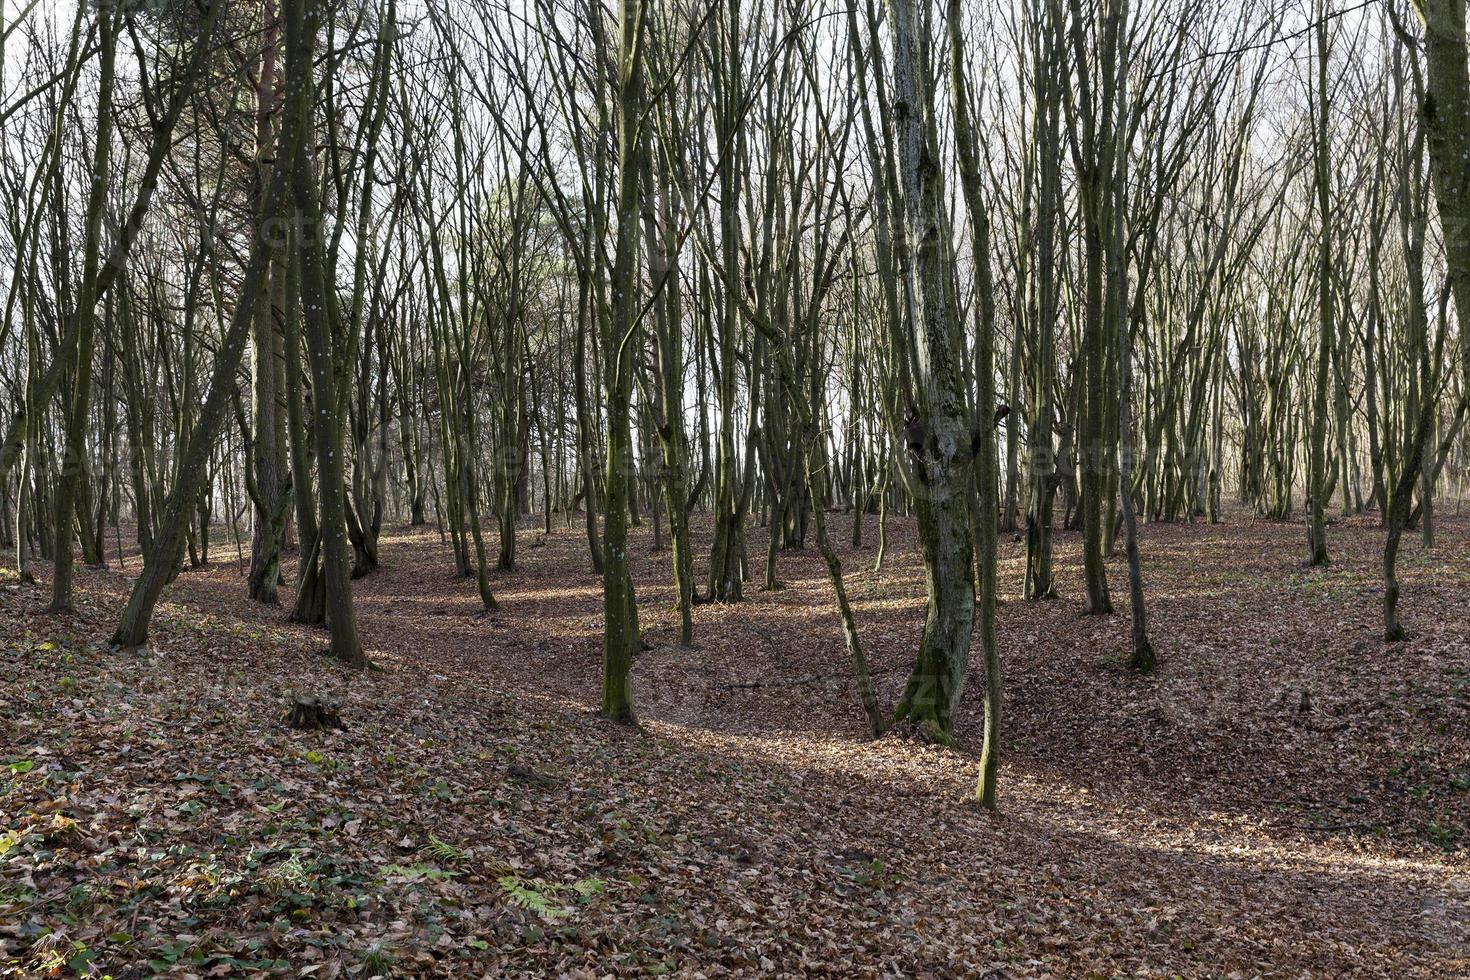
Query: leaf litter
1285	796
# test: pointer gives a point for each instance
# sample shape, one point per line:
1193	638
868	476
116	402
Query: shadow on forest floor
1285	795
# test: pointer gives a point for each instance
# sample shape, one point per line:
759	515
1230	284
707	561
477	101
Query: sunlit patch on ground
1286	795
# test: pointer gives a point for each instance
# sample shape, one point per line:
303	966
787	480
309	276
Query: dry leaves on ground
1286	795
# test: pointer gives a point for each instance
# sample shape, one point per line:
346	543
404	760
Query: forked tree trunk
939	437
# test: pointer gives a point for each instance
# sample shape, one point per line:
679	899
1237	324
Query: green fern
416	871
588	887
444	851
527	895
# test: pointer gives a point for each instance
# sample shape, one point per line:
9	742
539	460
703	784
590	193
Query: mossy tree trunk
938	435
621	637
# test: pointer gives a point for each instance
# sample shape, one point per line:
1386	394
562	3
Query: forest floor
1286	796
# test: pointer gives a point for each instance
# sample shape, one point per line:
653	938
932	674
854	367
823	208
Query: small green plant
588	887
1444	837
426	872
291	874
9	839
528	894
377	962
442	850
869	874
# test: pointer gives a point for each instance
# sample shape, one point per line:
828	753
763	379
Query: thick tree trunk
320	328
268	445
621	637
77	413
727	551
939	436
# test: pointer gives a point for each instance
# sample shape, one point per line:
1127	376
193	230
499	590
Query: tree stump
310	713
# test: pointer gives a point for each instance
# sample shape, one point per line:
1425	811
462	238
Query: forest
584	488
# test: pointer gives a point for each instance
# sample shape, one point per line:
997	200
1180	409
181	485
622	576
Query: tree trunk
939	435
